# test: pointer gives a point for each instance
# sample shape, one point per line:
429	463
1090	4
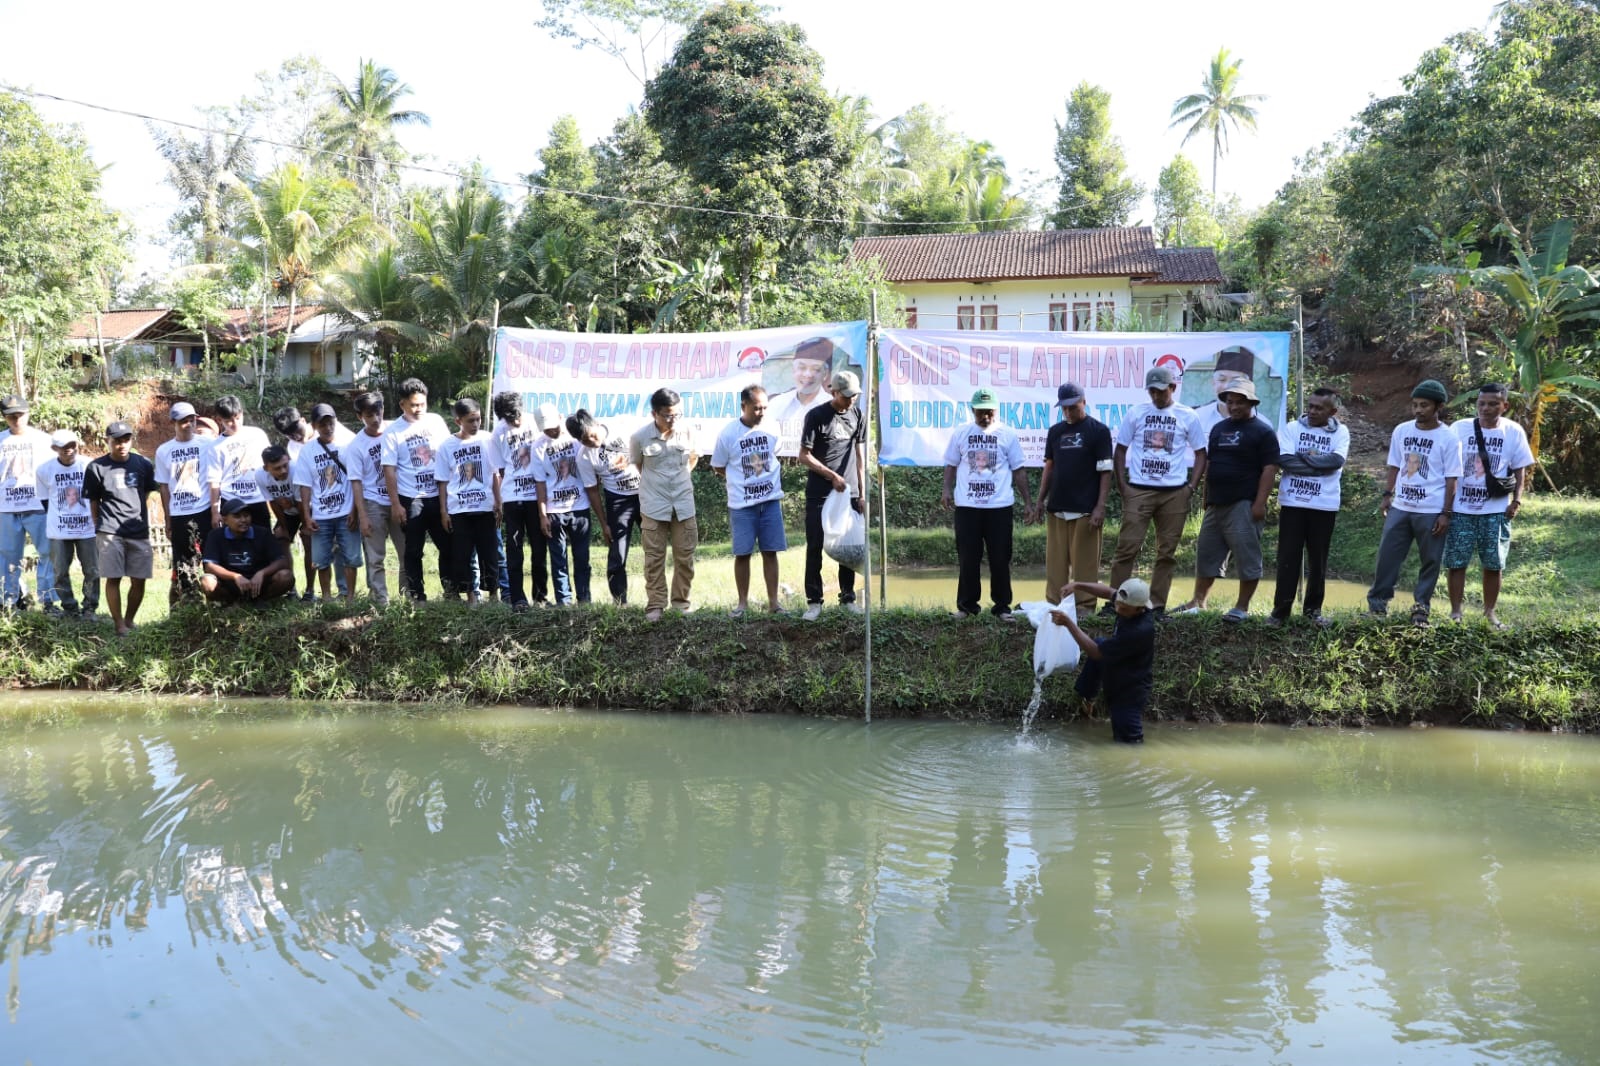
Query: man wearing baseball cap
23	450
1123	664
983	477
1072	496
833	446
185	499
1154	441
118	485
1241	467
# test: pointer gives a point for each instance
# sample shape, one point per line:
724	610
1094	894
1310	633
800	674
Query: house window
1105	315
1080	317
989	316
338	364
911	317
965	318
1060	317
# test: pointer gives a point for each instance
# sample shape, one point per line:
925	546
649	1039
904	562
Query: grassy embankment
1545	671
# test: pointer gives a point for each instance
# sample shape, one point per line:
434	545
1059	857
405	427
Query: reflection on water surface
616	888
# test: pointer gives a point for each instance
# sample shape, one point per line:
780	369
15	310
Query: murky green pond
523	886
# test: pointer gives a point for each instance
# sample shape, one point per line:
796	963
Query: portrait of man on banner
1205	380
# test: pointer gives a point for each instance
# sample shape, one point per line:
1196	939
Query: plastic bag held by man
1053	646
844	532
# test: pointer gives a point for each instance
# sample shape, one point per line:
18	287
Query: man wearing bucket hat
983	477
1241	466
1424	466
1154	442
1123	664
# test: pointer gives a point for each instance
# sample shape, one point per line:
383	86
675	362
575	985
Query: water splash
1032	711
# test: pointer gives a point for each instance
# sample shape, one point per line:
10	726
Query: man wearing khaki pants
664	456
1157	482
1072	498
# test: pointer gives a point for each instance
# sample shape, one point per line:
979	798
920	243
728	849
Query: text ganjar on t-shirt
748	457
518	448
1159	441
411	448
466	469
984	459
1312	493
62	487
1508	448
178	466
231	463
322	470
1425	458
565	473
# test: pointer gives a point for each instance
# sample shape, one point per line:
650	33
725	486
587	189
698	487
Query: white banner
926	379
611	375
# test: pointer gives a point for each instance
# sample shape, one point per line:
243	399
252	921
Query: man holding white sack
833	449
1123	664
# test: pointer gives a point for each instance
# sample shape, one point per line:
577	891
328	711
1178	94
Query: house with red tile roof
1081	280
318	344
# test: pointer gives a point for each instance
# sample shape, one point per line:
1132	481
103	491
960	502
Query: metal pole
866	503
1300	350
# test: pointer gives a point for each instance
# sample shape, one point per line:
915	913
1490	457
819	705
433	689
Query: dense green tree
1095	189
1218	105
374	295
875	175
741	109
204	170
362	122
1181	216
460	256
58	240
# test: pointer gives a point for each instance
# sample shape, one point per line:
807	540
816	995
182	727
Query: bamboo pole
869	391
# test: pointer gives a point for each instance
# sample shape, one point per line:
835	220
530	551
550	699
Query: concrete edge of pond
1359	671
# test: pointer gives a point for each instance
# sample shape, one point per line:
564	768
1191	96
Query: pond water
514	885
935	586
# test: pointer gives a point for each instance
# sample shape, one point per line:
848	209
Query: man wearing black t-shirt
832	448
242	560
118	487
1243	464
1072	498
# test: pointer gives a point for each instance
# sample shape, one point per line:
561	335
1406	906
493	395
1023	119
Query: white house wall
1026	305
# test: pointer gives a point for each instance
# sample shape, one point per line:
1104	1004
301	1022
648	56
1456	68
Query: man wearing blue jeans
746	457
566	476
330	499
23	451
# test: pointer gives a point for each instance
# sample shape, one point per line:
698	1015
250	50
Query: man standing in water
1121	665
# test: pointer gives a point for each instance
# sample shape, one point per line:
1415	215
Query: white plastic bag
1053	646
844	532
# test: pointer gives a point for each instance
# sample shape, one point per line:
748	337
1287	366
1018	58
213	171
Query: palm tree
875	174
362	123
374	295
1217	105
202	172
463	252
301	224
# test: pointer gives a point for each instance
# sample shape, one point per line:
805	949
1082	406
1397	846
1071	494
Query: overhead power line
456	175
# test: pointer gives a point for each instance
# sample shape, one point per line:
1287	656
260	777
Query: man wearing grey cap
23	450
1072	497
118	485
833	448
185	499
1154	442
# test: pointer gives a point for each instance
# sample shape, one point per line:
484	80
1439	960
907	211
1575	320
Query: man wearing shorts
1242	463
1480	524
331	503
746	457
118	486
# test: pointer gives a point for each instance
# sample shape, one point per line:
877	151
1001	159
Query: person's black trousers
423	525
622	519
522	534
1127	719
980	531
813	577
1302	531
472	534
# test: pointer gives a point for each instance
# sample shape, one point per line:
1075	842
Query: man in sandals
1480	522
1424	464
1242	463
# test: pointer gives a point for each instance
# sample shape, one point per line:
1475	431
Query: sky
493	82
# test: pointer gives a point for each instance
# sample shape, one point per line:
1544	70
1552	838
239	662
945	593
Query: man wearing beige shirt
664	458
